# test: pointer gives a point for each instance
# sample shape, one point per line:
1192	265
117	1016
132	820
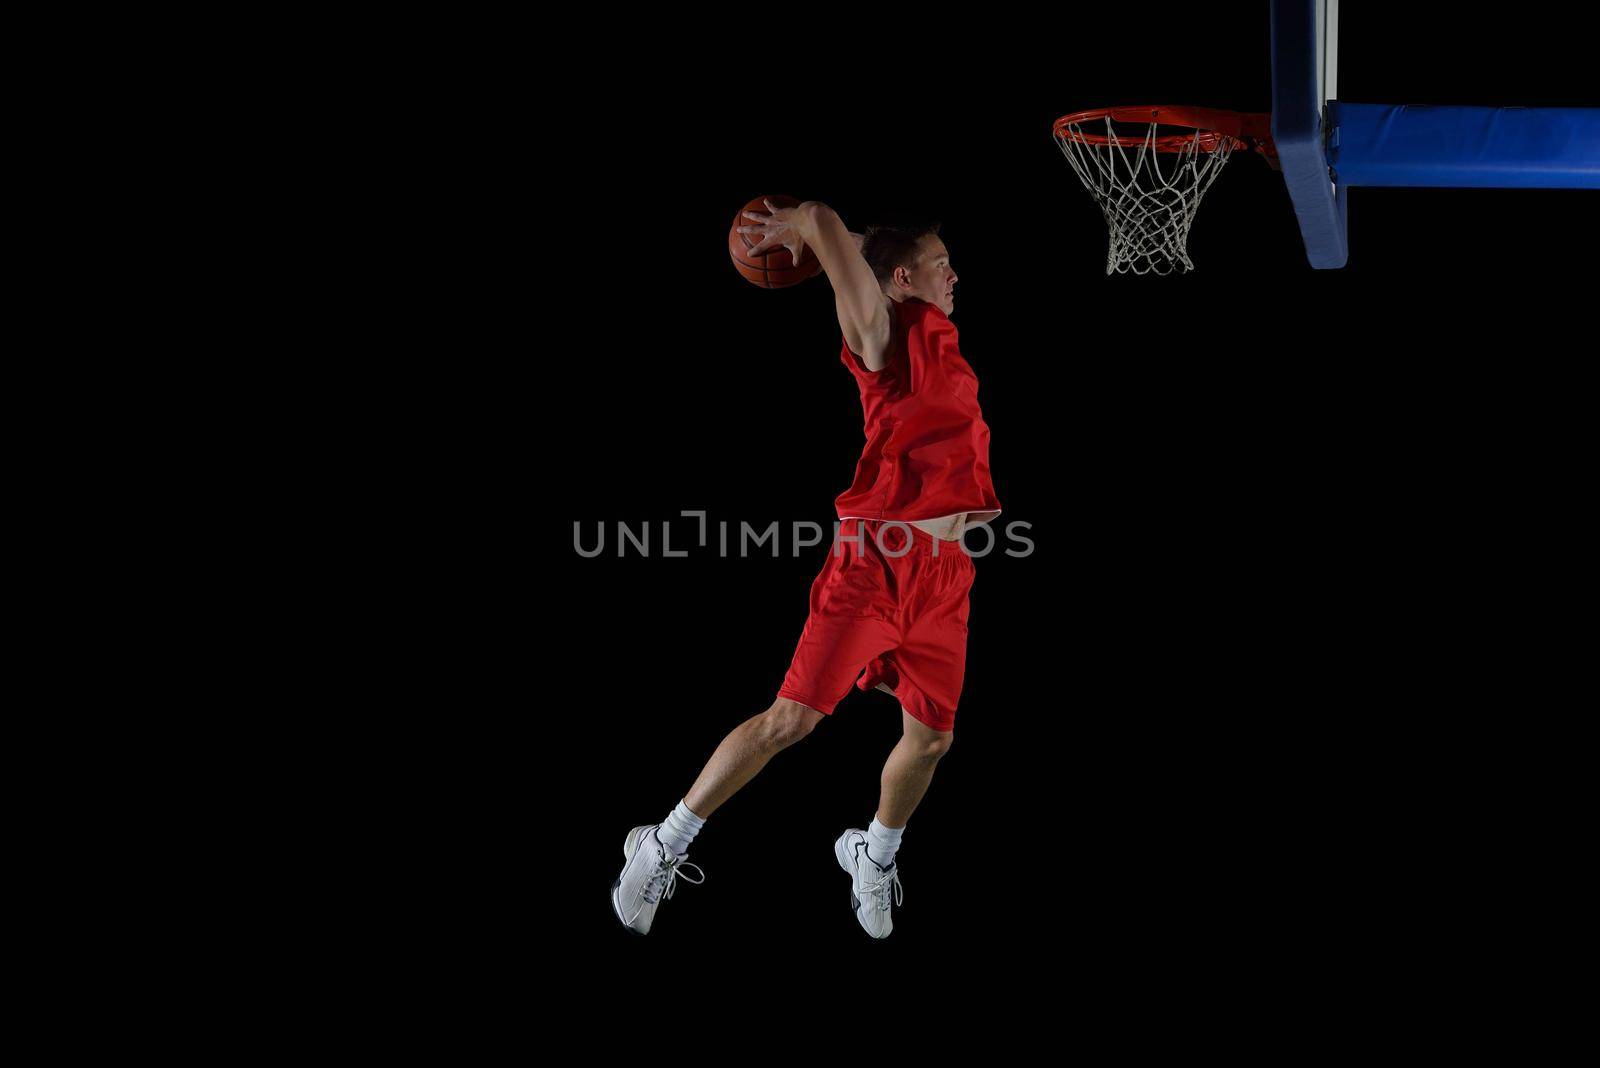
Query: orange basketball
775	268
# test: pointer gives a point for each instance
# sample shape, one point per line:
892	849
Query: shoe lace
878	889
660	885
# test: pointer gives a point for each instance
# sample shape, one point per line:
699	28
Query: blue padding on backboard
1462	147
1297	132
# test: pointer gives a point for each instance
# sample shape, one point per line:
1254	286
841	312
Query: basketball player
890	604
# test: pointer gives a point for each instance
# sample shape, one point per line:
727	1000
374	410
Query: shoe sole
627	855
855	902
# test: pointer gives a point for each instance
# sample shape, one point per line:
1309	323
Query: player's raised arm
862	307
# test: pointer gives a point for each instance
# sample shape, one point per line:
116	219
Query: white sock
679	829
882	843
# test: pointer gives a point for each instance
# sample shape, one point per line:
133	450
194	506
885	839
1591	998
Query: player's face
932	279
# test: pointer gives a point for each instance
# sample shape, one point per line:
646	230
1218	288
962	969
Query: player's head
911	261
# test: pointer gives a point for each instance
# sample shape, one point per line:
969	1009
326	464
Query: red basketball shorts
886	609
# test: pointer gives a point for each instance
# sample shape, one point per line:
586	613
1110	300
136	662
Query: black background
1199	719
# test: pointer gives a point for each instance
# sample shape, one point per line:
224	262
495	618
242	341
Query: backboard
1305	82
1327	146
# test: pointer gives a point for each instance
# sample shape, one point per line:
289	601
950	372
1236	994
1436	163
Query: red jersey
927	451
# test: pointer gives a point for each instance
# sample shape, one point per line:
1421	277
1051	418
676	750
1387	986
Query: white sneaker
870	885
649	877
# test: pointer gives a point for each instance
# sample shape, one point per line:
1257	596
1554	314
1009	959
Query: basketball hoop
1149	181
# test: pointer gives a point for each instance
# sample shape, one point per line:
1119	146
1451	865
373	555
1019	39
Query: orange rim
1211	128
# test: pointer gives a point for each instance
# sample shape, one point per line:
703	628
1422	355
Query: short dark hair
888	247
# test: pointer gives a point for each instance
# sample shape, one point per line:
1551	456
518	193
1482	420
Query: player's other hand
774	229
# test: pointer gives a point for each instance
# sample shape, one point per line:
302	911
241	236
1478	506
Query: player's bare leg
909	770
746	750
867	855
654	854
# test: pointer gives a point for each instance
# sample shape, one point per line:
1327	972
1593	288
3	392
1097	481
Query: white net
1149	197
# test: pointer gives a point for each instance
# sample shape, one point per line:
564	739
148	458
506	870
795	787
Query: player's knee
931	745
786	722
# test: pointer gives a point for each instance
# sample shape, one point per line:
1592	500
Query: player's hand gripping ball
765	249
